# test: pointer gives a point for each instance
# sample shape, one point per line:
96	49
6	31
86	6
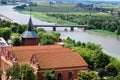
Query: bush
85	75
5	33
16	41
100	60
111	70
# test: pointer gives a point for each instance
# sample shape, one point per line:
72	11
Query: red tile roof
24	53
61	60
34	47
49	56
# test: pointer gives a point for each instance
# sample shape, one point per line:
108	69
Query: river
111	45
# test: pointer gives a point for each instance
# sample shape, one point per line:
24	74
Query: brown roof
49	56
60	50
61	60
34	47
24	53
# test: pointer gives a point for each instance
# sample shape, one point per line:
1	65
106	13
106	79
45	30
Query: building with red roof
43	58
66	63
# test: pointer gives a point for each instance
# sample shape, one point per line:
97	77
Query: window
70	76
59	76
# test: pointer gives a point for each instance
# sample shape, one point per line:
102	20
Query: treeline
86	6
45	38
98	61
103	22
7	28
91	7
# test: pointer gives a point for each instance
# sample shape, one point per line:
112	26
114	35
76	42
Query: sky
104	0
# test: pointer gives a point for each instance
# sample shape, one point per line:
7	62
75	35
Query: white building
3	42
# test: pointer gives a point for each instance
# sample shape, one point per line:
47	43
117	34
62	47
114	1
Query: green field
58	8
103	32
42	9
44	17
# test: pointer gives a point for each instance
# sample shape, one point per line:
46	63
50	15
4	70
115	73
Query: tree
16	41
93	46
4	1
117	65
111	70
13	28
117	77
47	39
85	75
55	34
40	30
118	30
21	72
1	72
51	3
100	60
49	75
13	72
21	29
5	33
26	72
101	72
78	43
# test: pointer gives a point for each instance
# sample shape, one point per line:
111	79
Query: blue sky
104	0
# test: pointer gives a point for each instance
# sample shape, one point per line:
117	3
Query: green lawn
58	8
103	32
44	17
41	10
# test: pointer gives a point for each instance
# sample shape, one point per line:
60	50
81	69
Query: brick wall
30	41
64	74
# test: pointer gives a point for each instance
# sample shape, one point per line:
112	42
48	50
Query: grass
44	17
103	32
58	8
15	34
41	10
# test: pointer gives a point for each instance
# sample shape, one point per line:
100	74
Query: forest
101	22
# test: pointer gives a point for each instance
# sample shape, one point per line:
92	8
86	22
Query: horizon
99	0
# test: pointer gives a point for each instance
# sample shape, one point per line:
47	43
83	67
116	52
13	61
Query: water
111	45
17	17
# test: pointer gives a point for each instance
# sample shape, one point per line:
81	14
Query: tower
29	37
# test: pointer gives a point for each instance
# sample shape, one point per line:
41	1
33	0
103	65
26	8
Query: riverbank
44	17
104	33
111	45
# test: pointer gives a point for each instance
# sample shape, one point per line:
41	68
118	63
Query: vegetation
111	70
26	72
49	75
15	29
96	58
85	13
105	65
16	41
47	38
117	77
85	75
1	72
99	60
7	28
101	22
22	72
5	33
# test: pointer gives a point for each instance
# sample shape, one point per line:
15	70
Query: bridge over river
71	26
111	45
